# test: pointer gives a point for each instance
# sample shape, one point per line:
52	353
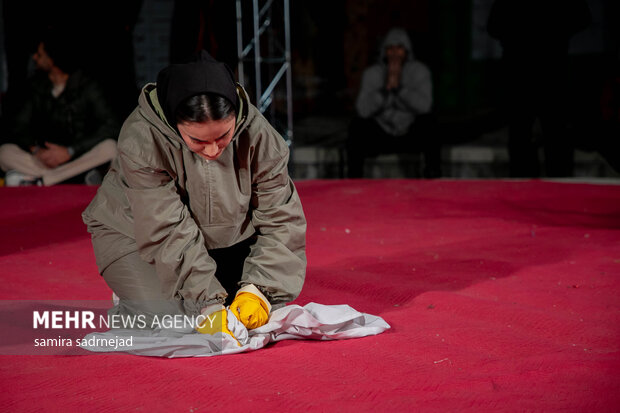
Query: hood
396	36
152	110
201	74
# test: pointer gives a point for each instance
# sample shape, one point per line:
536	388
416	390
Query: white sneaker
16	178
93	177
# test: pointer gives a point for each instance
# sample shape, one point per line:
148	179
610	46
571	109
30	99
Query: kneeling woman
198	209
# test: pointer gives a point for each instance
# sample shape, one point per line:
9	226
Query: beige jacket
172	206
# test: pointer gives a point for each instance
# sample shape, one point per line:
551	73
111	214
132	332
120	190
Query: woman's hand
216	321
251	307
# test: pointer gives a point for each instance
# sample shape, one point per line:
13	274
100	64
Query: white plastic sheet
312	321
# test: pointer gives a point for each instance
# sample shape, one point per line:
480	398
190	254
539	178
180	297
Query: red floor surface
502	296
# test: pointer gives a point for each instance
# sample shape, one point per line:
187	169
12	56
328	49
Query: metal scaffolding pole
261	23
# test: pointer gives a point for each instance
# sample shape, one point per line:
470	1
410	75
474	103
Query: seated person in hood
198	210
393	109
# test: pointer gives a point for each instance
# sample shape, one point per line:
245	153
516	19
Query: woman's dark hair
204	107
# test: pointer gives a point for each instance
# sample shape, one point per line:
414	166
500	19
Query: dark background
331	44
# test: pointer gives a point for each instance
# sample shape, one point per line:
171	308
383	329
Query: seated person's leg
365	140
100	154
425	138
25	167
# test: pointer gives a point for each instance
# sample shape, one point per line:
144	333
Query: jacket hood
152	110
396	36
201	74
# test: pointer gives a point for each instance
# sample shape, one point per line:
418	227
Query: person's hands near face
208	139
53	155
395	55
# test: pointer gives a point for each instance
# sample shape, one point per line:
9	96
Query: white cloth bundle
312	321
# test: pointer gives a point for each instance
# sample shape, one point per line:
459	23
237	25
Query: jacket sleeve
277	261
372	97
167	235
416	93
103	116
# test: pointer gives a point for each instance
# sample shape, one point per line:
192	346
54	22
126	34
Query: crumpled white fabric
312	321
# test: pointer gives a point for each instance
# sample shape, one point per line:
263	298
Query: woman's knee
137	285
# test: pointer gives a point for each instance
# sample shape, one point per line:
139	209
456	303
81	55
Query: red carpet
502	296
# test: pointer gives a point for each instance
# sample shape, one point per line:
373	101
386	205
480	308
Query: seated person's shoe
16	178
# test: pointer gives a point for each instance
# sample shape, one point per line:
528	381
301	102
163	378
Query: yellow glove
216	321
251	307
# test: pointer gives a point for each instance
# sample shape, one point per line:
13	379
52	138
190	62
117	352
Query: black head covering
201	74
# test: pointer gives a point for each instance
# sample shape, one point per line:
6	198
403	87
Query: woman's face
208	139
42	60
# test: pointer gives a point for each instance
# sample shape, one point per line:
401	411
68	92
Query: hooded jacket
172	206
395	111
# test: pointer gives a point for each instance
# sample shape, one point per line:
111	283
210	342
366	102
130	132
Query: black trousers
230	265
367	139
537	89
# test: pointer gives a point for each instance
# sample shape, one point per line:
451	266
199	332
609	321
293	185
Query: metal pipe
265	8
257	57
264	99
251	44
240	74
261	103
289	72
